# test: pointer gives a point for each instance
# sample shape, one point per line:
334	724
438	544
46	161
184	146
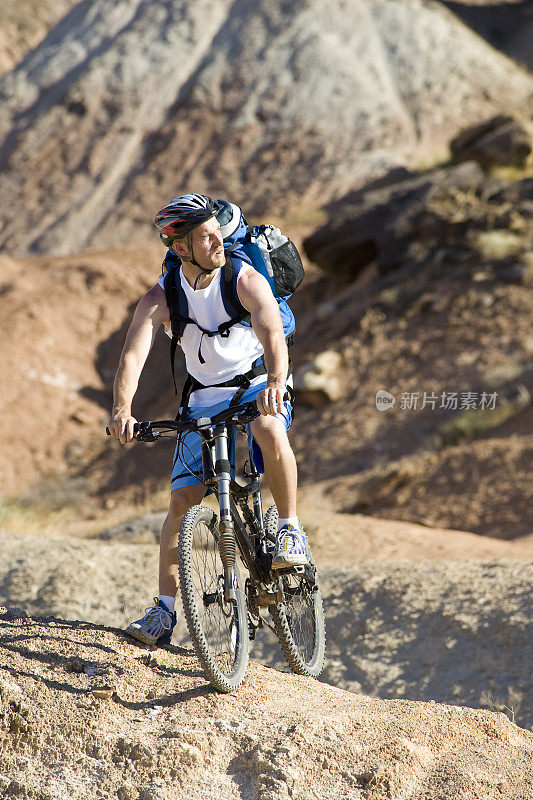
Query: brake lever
143	432
147	437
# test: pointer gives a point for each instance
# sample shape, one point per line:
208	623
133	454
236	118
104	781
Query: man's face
207	245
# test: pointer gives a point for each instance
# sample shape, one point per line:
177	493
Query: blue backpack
266	249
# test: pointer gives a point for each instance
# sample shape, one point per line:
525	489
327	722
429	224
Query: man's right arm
151	312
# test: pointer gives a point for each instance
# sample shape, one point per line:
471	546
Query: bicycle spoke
207	579
300	615
218	629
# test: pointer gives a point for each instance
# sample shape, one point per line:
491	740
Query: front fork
226	539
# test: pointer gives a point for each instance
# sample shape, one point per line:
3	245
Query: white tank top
224	357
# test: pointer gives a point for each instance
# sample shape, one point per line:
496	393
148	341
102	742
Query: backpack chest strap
241	382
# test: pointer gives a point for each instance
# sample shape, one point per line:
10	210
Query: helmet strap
192	259
196	264
203	272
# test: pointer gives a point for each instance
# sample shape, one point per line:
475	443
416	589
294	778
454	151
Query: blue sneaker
291	548
155	627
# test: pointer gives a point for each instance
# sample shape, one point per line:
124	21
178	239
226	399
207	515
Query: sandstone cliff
124	104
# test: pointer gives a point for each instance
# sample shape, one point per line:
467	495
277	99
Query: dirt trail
411	612
344	538
163	734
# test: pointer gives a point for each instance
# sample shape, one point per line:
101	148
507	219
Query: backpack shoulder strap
232	305
178	311
176	301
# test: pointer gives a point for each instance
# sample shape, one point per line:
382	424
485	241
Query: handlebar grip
135	429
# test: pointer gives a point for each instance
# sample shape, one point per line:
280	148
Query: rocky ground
142	725
411	612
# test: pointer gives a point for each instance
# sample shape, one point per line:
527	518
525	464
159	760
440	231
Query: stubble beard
217	261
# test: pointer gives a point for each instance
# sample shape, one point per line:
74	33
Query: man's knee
182	499
270	433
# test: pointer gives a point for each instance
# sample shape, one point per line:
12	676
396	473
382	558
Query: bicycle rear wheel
299	620
218	630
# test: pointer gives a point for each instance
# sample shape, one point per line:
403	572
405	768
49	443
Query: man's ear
181	250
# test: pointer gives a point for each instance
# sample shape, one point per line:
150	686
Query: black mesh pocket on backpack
287	268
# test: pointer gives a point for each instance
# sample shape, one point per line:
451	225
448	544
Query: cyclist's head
183	214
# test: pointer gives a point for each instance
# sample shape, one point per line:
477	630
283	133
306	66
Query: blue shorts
187	461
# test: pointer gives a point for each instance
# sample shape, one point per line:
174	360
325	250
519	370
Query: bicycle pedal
297	569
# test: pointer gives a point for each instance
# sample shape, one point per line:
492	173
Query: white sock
288	521
168	601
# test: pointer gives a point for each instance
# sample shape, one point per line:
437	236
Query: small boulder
14	614
497	142
521	191
317	382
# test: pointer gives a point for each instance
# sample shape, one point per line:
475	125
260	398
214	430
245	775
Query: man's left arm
256	296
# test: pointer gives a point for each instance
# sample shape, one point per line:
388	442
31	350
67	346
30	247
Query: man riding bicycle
189	226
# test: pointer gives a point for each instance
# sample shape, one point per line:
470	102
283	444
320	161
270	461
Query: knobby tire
219	633
299	621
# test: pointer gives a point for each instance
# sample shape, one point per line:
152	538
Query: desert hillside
440	309
277	105
64	329
24	25
393	142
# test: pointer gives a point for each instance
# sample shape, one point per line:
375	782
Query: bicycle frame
217	474
233	531
211	595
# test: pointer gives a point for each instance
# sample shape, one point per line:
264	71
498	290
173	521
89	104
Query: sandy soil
411	612
137	725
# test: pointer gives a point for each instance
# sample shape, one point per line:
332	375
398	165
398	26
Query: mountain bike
222	611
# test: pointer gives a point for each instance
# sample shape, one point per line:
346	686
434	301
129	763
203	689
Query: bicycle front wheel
218	630
299	620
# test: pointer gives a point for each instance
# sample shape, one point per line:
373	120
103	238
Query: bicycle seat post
226	542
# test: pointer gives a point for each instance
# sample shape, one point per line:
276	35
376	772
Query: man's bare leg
180	502
281	473
155	627
280	463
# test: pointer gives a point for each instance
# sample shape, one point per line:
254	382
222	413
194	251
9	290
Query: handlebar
240	414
